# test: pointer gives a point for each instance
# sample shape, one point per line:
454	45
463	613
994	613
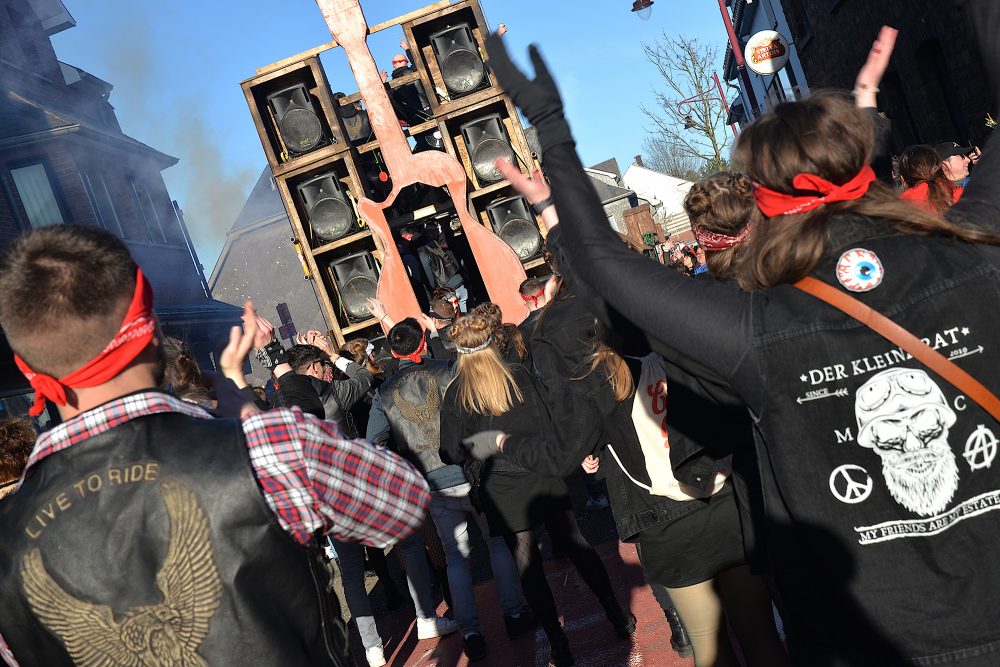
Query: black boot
561	656
623	621
679	640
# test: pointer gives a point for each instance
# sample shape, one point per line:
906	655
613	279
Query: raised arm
980	202
705	320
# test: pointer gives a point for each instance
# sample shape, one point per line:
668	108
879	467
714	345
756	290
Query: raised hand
533	187
264	331
377	308
871	73
427	322
234	357
538	98
317	339
501	30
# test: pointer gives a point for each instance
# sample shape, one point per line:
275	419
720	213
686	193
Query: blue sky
176	68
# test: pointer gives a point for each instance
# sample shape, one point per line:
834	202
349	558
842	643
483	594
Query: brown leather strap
897	335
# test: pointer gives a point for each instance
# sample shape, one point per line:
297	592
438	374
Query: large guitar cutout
498	264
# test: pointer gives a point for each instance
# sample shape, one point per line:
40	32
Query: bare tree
671	159
689	119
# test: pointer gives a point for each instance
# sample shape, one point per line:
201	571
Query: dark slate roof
262	204
610	165
607	192
23	120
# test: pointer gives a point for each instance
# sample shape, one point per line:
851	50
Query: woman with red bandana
865	579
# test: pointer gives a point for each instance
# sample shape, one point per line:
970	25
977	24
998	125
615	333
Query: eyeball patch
860	270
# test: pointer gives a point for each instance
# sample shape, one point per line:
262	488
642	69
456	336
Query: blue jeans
352	572
451	511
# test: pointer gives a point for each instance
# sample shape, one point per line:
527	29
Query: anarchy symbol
850	484
980	448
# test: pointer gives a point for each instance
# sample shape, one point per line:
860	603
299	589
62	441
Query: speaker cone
354	295
463	71
300	130
484	156
331	218
522	236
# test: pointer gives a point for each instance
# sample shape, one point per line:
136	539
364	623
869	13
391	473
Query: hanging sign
766	52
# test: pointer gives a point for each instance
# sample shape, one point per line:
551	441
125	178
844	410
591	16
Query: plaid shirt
313	479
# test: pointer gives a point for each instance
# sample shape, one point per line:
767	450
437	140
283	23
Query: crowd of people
739	416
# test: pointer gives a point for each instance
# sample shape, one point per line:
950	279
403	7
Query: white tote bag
649	415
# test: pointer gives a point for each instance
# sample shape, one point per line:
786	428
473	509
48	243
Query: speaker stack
324	158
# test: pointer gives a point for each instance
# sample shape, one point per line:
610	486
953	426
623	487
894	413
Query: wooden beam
316	50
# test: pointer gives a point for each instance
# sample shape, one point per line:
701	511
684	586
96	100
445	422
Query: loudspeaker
458	60
486	139
514	222
356	276
298	121
328	210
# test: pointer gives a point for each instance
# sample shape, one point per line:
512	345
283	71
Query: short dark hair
64	291
17	438
442	309
405	336
300	356
531	287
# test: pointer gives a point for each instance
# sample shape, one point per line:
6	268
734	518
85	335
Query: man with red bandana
143	530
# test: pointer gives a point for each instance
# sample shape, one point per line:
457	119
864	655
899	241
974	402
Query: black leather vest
412	402
152	544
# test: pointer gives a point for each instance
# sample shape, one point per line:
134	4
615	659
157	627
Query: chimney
638	161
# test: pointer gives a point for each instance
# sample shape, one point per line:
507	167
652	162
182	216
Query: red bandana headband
136	332
714	241
415	355
773	203
533	298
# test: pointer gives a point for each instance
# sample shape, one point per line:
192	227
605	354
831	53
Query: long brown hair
506	337
722	203
826	135
922	164
485	384
356	350
616	371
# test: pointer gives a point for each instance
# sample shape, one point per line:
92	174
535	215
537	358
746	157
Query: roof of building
263	203
25	120
609	193
610	166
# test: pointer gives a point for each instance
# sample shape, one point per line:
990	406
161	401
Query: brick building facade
65	160
934	89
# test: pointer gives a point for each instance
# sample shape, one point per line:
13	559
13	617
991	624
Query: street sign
766	52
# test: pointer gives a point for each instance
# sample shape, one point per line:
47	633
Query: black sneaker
474	647
521	625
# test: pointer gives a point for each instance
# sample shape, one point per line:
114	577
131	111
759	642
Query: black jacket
331	401
878	494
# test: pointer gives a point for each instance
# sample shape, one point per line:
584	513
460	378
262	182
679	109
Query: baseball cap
950	149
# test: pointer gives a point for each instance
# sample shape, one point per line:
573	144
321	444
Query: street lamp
643	8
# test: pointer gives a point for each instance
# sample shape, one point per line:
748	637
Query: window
37	195
149	214
101	202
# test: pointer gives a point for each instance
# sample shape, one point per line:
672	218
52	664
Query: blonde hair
485	384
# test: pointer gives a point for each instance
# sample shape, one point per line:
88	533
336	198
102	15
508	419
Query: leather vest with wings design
412	403
151	544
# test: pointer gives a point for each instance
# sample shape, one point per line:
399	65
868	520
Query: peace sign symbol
850	484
